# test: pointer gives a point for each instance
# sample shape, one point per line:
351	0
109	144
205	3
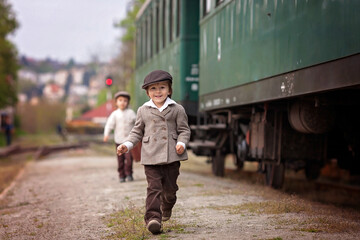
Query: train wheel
242	151
218	164
274	175
239	165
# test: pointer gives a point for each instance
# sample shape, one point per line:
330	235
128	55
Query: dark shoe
122	179
129	178
154	226
166	215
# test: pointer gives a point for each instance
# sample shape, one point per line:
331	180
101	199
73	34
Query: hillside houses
55	82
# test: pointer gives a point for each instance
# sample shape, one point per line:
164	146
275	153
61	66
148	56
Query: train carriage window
138	47
163	23
157	39
142	43
218	2
170	20
178	18
145	40
206	7
151	35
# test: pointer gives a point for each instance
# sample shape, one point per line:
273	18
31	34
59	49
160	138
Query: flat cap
122	94
156	76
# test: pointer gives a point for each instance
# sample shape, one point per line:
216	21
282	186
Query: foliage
129	22
103	95
8	22
8	54
70	64
124	63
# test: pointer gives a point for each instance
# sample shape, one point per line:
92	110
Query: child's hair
169	84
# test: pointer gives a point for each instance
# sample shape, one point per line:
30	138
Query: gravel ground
68	196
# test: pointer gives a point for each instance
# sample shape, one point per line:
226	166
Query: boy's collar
167	102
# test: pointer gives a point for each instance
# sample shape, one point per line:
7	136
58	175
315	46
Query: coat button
164	128
164	138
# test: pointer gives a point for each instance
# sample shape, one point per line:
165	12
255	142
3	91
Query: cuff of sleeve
129	145
182	144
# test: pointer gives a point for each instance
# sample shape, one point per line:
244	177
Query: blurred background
55	57
263	62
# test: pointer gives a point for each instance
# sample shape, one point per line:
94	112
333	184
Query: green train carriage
167	38
278	81
279	84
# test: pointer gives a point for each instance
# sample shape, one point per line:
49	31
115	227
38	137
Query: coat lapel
166	110
160	114
155	112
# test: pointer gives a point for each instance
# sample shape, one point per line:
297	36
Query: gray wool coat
159	132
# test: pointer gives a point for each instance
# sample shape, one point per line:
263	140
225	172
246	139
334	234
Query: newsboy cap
122	94
156	76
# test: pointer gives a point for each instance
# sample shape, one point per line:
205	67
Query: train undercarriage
298	133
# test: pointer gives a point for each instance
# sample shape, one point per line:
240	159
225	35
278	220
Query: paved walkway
68	197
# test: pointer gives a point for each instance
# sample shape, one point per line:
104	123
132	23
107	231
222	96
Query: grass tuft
129	224
199	185
268	207
328	225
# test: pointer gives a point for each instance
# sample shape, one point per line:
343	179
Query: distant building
34	100
28	75
79	90
53	92
78	75
100	114
45	78
91	122
60	77
22	97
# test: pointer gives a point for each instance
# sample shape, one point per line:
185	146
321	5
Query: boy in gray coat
162	125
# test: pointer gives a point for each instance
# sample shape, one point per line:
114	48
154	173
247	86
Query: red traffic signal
108	81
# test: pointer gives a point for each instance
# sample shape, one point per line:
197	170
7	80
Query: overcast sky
61	29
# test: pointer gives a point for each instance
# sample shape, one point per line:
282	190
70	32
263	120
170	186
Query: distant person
8	129
61	132
121	121
162	126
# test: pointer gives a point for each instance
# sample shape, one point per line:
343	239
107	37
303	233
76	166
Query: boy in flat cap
121	121
162	126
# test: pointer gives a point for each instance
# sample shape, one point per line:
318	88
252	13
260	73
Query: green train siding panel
168	60
245	41
189	47
180	57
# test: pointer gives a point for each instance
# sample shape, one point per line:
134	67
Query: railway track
40	151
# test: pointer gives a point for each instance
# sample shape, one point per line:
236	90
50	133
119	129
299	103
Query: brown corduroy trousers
125	164
161	190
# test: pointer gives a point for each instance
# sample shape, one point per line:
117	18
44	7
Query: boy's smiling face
158	92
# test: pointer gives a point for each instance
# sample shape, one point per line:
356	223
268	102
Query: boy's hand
106	138
121	149
179	149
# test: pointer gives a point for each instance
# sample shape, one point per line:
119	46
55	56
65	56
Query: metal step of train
217	126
